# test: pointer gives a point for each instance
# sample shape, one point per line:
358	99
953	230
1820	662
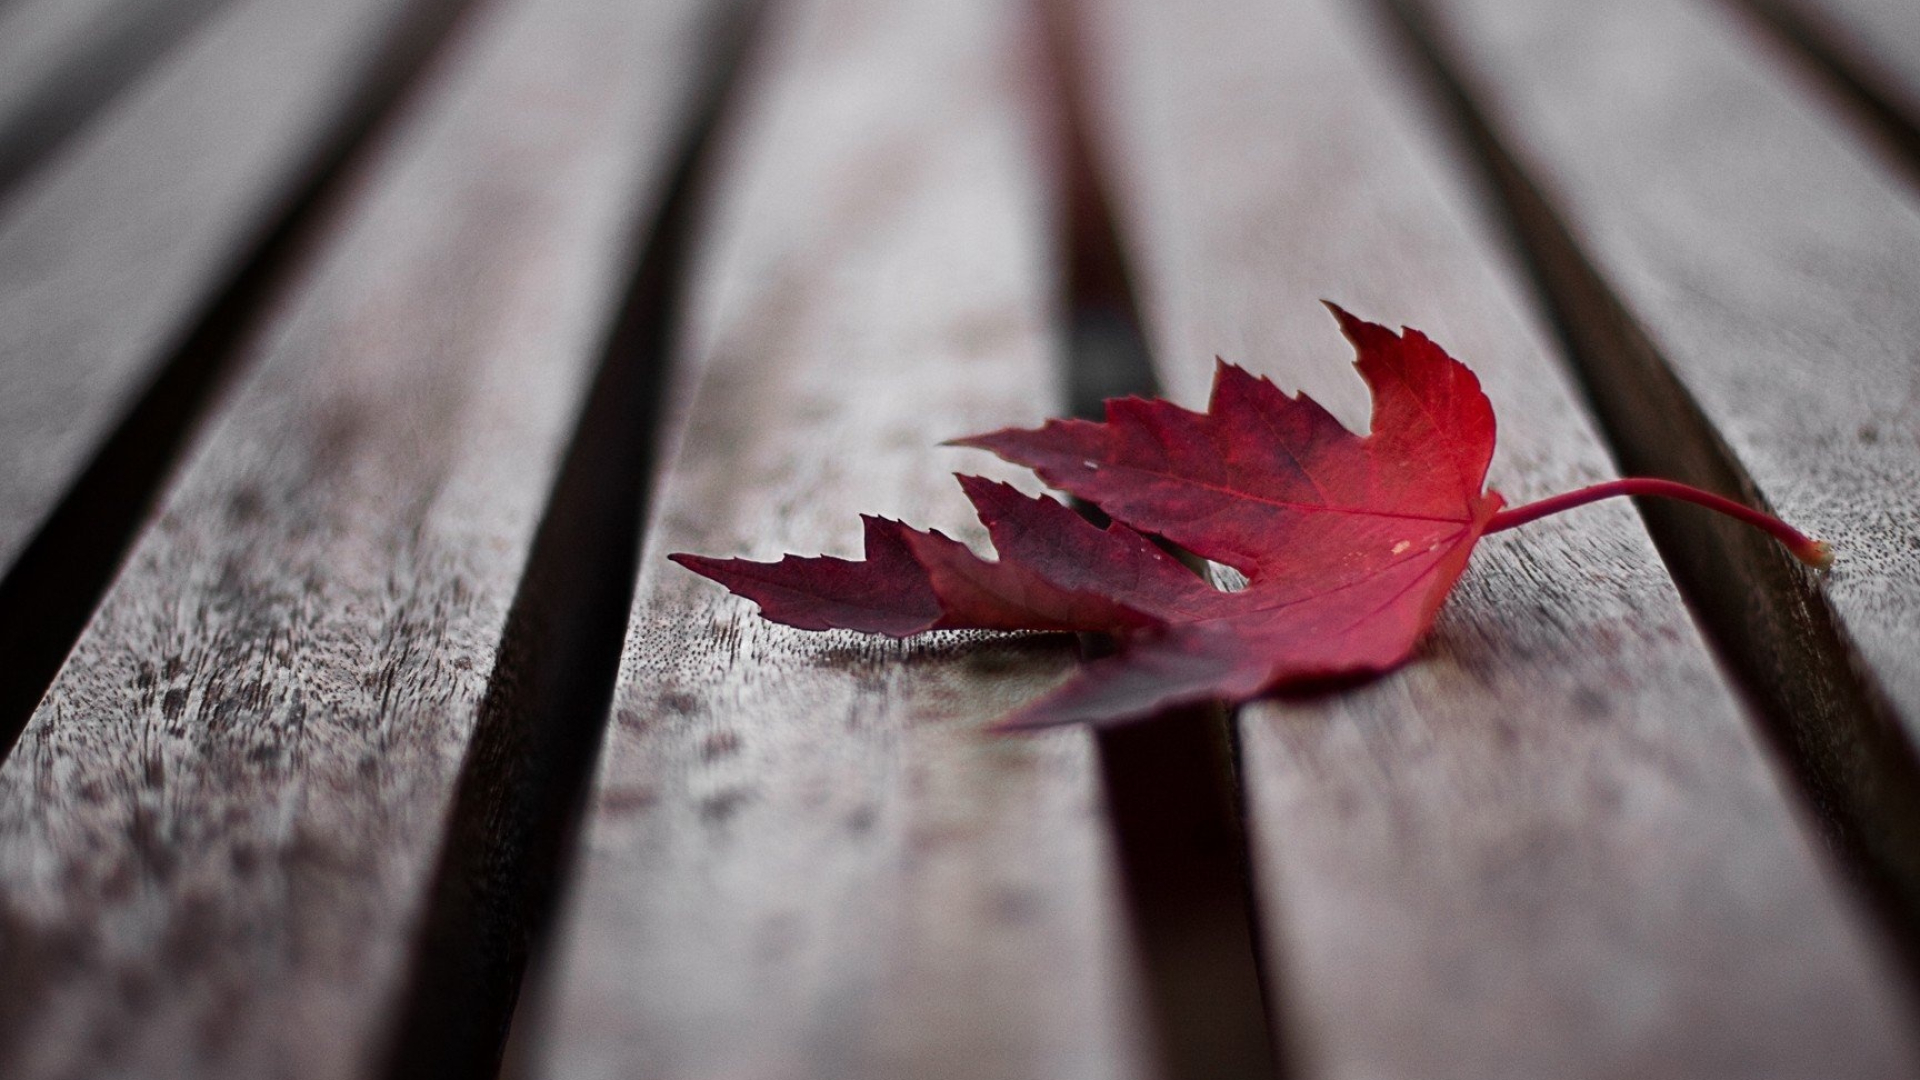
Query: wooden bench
360	363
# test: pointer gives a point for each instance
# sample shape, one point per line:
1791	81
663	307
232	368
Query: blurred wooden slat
804	855
114	249
1552	845
62	60
1877	41
41	39
218	833
37	37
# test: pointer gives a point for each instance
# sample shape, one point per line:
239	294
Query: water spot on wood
154	851
341	427
193	932
718	808
625	801
720	744
245	505
1015	907
1505	732
1592	703
117	887
135	987
861	820
245	859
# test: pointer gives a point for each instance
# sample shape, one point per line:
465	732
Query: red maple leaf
1349	543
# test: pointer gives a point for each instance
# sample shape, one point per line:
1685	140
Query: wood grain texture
217	833
1769	256
1551	846
113	250
805	857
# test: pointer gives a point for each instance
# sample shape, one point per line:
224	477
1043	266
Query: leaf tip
1354	327
714	570
985	440
979	488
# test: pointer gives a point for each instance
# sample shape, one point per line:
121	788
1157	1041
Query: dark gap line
1890	117
523	786
1172	799
116	51
51	591
1815	700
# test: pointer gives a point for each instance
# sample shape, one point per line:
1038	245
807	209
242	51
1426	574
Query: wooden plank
218	833
1862	56
1771	260
1879	39
1551	846
40	38
61	60
113	251
804	856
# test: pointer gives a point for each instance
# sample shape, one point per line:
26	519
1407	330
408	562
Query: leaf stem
1815	553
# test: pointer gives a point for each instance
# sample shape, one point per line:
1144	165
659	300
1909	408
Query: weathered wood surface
1552	845
112	251
217	833
1770	257
805	857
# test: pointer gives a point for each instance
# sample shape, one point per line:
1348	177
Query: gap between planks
1172	795
517	810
